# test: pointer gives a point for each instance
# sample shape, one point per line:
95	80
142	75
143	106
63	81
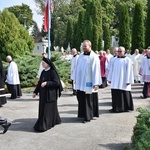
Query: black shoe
11	98
6	126
86	121
143	97
74	93
111	111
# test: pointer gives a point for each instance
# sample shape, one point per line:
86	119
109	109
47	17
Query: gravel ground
111	131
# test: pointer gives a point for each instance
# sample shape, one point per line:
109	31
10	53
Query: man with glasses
121	77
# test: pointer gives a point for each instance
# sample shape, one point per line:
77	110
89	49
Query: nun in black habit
2	77
49	88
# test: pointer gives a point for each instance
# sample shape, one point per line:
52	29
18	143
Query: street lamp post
43	48
24	21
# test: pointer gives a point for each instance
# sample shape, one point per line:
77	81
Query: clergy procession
90	72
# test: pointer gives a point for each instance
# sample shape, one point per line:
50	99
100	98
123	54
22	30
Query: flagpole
49	24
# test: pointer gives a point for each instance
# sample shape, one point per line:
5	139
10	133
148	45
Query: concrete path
111	131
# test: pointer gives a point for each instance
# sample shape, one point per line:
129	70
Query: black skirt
121	100
85	105
48	116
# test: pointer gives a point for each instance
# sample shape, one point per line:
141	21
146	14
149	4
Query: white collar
47	69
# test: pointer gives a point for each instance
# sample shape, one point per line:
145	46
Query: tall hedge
70	32
80	29
75	37
88	21
147	30
106	37
124	27
97	25
93	23
138	27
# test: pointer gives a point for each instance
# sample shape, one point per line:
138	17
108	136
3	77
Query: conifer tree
87	21
69	34
97	24
147	31
80	29
93	23
124	27
106	37
75	38
138	28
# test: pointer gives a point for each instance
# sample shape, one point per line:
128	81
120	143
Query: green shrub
28	66
141	131
144	142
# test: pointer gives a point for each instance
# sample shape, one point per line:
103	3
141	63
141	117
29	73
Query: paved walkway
111	131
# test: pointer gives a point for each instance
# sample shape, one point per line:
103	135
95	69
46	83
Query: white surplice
136	66
121	73
145	70
109	56
12	74
109	65
87	72
128	55
73	66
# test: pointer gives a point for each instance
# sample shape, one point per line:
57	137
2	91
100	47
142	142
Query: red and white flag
47	15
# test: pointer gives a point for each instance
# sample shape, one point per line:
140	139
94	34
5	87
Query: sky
8	3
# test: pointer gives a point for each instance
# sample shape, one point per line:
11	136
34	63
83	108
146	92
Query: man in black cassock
2	91
87	81
49	88
12	79
121	77
145	73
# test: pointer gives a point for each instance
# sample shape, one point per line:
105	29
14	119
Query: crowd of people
89	71
120	70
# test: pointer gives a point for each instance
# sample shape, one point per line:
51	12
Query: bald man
73	68
136	65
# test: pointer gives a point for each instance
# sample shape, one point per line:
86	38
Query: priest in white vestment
73	68
136	65
145	73
140	62
127	54
12	79
115	51
121	77
87	81
108	55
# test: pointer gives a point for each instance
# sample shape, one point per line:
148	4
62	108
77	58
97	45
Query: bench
4	95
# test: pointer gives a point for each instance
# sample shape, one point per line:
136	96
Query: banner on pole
47	15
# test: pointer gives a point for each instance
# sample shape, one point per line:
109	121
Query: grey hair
9	57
